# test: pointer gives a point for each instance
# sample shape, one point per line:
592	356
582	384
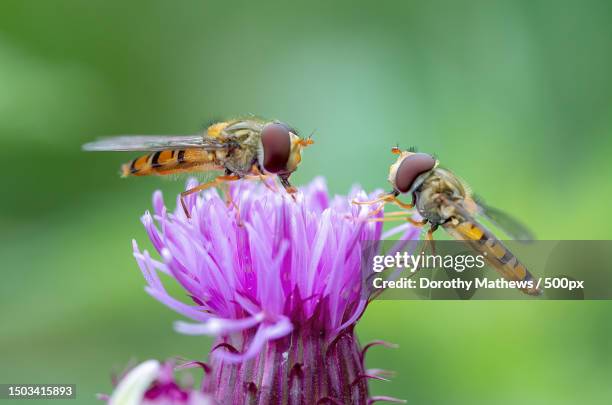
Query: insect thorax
438	185
247	135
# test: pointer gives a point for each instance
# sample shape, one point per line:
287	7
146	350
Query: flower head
263	272
153	383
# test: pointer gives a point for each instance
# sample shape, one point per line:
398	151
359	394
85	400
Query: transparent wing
510	225
146	143
484	241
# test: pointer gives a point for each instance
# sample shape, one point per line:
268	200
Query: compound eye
411	167
276	141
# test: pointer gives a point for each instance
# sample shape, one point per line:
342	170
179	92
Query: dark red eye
276	142
410	168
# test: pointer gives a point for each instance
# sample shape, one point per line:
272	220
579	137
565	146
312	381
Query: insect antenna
312	133
306	141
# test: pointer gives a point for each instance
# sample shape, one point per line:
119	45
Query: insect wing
466	228
507	223
152	143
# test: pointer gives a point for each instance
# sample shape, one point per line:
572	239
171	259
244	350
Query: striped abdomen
496	254
173	161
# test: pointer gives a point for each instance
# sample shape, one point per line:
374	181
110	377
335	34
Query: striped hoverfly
444	200
242	148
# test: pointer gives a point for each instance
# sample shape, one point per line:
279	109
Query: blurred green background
515	96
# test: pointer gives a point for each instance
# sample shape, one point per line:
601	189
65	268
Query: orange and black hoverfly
242	148
443	200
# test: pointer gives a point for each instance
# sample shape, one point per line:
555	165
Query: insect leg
400	204
418	224
218	180
377	210
396	214
258	175
385	198
284	180
408	218
430	238
229	199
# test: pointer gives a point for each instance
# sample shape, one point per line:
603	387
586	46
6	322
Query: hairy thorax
240	160
436	185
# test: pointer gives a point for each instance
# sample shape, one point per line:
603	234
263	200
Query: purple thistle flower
278	282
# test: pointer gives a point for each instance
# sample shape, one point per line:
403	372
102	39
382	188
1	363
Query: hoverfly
442	199
242	148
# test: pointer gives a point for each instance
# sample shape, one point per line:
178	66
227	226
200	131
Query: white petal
132	387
